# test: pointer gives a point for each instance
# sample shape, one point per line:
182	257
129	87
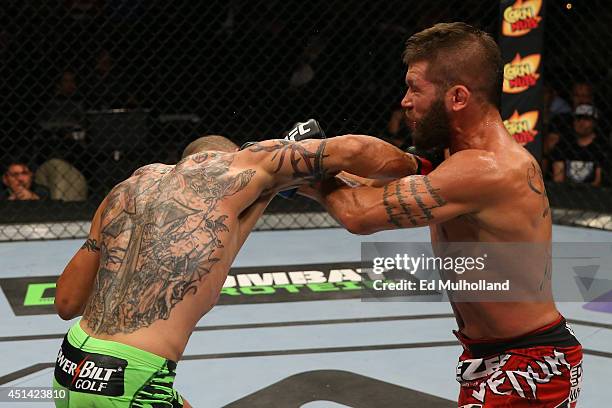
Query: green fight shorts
104	374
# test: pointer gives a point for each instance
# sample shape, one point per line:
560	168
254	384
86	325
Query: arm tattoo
91	245
433	192
394	214
418	197
399	211
162	234
312	166
535	173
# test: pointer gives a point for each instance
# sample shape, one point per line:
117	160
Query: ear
458	97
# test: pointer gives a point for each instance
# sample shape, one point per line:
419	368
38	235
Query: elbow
356	224
359	231
66	314
66	309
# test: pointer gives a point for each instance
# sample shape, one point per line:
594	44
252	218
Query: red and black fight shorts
540	369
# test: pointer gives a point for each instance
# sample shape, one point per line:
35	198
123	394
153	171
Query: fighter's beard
433	130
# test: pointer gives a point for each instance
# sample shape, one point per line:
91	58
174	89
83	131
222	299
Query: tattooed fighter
159	250
490	189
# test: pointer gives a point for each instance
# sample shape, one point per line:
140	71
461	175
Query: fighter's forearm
352	180
338	199
370	157
76	282
72	293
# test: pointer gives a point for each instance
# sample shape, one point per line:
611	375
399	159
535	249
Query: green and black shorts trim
103	374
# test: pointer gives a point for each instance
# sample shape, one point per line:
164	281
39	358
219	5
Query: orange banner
523	126
521	74
521	42
521	17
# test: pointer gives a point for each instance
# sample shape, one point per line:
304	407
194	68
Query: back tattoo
160	234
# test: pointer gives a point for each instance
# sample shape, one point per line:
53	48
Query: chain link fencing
576	154
94	89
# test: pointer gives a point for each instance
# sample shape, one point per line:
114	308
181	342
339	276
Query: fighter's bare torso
490	193
162	242
166	232
522	216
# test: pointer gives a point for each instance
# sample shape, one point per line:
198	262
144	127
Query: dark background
226	67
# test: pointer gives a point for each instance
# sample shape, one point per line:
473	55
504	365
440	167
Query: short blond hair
209	142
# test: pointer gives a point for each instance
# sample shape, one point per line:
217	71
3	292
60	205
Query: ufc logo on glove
301	129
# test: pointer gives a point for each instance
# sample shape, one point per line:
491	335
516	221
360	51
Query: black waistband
558	335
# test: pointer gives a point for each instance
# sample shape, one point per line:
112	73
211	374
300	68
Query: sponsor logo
300	129
35	295
575	383
521	73
473	369
89	373
482	375
522	126
521	17
291	282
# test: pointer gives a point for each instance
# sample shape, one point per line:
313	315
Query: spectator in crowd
397	132
105	88
560	120
582	94
64	181
64	111
580	157
19	184
554	104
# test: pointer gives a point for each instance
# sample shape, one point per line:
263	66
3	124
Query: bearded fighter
489	190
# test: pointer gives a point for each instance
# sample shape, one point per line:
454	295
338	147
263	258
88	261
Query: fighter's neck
481	130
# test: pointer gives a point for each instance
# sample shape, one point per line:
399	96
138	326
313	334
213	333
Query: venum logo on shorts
524	382
474	369
89	372
575	382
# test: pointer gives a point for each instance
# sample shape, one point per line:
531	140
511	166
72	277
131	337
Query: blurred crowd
105	86
576	143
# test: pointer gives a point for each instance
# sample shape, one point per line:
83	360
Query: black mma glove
306	130
302	131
